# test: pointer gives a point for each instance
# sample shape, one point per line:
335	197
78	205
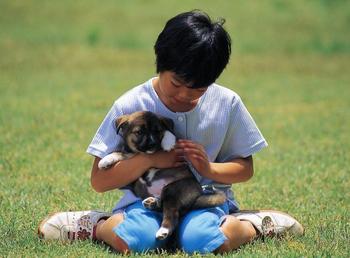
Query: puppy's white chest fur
151	173
155	185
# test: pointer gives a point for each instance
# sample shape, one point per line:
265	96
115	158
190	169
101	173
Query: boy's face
175	93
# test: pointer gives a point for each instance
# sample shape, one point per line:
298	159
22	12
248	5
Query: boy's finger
196	151
179	164
180	158
184	142
188	144
179	151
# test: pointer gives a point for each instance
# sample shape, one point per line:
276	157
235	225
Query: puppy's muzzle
150	144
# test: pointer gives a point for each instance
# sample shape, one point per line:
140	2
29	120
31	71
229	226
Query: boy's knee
192	241
139	228
136	240
200	233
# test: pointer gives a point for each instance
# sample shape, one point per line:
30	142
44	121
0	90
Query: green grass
63	63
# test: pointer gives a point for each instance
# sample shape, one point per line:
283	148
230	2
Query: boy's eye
175	84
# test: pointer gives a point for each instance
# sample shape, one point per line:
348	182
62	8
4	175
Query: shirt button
180	119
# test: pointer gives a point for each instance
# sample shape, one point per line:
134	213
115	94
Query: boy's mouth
183	101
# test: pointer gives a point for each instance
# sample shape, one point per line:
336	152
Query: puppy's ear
167	123
121	123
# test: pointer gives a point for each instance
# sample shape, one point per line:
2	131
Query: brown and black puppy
174	190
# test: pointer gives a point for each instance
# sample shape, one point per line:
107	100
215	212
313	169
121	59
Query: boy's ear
168	124
121	123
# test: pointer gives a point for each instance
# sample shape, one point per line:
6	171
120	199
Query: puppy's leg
112	158
170	221
209	200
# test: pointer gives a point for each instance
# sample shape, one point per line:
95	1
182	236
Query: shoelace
67	233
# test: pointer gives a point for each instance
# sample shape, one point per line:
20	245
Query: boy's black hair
194	48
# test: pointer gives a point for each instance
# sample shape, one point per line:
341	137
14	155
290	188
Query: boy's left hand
196	154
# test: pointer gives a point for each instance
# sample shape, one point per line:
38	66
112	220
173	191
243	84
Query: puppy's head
143	131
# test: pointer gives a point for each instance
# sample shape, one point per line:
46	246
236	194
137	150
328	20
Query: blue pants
198	230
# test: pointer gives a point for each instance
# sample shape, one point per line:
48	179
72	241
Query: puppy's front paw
104	163
109	160
162	233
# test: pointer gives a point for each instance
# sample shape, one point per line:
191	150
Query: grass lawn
63	63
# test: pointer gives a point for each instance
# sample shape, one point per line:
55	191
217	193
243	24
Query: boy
218	138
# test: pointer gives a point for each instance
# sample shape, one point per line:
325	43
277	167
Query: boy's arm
126	171
120	174
234	171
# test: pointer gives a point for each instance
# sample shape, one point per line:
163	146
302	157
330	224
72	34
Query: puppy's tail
209	200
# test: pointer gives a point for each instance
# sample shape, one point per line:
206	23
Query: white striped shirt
220	122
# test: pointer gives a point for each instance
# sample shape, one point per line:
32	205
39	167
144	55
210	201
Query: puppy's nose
152	138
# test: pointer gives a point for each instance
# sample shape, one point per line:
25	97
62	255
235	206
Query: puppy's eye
138	132
157	130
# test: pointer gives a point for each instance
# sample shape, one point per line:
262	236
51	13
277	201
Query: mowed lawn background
63	63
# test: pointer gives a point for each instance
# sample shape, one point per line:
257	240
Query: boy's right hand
167	159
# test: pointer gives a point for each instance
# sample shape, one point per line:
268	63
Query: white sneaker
68	226
271	223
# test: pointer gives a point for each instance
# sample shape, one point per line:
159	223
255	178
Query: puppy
175	191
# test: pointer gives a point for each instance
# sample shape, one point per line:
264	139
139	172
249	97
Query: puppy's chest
155	181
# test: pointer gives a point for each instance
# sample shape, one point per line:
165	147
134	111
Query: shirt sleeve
106	139
243	138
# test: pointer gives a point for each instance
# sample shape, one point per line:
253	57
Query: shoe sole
280	212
